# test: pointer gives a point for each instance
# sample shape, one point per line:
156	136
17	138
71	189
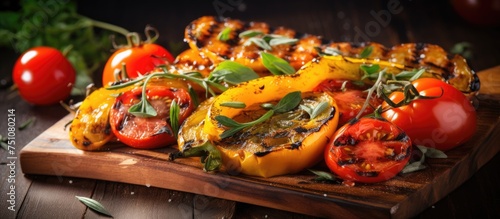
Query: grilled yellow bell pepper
200	135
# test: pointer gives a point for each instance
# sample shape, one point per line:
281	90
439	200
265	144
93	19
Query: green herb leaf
267	106
250	33
226	121
142	109
241	126
413	167
234	104
94	205
323	176
432	152
367	51
259	42
232	73
464	49
332	51
276	65
27	123
175	110
370	69
225	34
282	41
318	109
288	102
194	96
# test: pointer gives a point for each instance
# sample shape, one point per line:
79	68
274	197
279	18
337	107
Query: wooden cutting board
404	196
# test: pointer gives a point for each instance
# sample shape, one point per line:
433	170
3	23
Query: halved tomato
349	96
149	132
368	150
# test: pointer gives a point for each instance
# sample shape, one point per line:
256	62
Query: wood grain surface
51	153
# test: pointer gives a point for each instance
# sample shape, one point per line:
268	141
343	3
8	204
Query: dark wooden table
38	196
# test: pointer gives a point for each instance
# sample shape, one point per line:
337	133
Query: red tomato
349	100
479	12
442	123
138	59
149	132
368	150
43	76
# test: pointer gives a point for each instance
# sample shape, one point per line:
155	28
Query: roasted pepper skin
90	129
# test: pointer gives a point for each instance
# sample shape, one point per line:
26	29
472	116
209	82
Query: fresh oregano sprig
287	103
266	41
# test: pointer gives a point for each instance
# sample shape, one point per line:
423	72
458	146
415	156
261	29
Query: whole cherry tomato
368	150
149	132
43	76
139	58
444	121
479	12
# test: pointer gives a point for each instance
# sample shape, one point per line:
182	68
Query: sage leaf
323	176
142	109
288	102
282	41
250	33
233	73
276	65
225	34
432	152
367	51
318	109
94	205
259	42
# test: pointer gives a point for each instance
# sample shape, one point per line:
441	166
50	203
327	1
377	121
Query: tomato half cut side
368	150
349	96
148	132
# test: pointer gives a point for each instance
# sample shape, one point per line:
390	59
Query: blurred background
453	24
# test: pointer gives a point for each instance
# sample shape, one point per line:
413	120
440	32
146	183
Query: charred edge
404	155
368	173
107	129
122	122
281	134
418	52
86	142
188	145
346	162
117	105
300	129
402	137
296	145
344	140
163	130
475	85
262	153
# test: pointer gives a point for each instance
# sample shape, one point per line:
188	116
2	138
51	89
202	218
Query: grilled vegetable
252	149
245	41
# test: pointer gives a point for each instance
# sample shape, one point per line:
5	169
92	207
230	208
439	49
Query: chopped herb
94	205
259	42
282	41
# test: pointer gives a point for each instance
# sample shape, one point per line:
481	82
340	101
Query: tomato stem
107	26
